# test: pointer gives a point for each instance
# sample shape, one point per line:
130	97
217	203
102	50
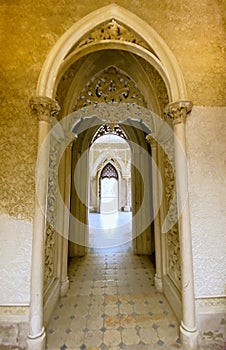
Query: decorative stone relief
109	86
50	242
178	111
109	128
50	252
44	107
173	243
113	30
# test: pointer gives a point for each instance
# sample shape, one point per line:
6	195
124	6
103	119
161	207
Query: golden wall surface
192	29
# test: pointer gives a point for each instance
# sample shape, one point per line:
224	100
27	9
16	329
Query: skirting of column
37	342
189	339
64	285
126	208
158	284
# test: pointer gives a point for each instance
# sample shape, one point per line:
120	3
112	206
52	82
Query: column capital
178	111
44	107
150	139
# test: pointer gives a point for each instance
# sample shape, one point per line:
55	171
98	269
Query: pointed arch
162	59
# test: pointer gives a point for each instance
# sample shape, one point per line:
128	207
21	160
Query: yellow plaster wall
28	29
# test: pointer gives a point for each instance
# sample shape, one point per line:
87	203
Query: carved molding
211	304
178	111
44	107
110	86
173	241
113	30
50	241
150	139
50	251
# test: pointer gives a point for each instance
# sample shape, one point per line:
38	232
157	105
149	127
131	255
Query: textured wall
15	255
206	132
193	31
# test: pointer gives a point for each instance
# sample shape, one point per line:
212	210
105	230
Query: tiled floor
112	304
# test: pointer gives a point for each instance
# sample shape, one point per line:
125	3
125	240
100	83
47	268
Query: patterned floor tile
111	304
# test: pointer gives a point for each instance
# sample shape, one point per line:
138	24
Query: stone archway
130	34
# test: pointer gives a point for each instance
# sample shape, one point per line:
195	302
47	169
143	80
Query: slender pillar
67	196
44	107
157	227
178	112
127	189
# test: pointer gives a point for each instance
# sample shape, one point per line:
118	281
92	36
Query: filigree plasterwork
108	128
172	236
50	241
110	86
50	257
113	30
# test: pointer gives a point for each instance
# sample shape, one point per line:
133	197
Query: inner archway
110	216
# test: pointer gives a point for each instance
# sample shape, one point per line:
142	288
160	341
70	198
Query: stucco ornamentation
178	111
50	252
173	243
113	30
44	107
149	138
50	241
109	86
109	128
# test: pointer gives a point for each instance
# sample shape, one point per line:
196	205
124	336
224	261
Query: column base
158	284
126	208
37	342
189	339
64	285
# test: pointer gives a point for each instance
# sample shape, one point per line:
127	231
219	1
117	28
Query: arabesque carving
173	242
113	30
50	241
109	128
110	86
50	254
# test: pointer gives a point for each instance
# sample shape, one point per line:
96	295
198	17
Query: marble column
157	227
64	283
44	108
178	111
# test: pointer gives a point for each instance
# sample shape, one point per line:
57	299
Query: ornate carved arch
119	30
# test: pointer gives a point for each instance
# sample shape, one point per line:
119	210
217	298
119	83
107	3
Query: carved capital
44	107
178	111
150	139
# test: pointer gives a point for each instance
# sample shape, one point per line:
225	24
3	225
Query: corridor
112	304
